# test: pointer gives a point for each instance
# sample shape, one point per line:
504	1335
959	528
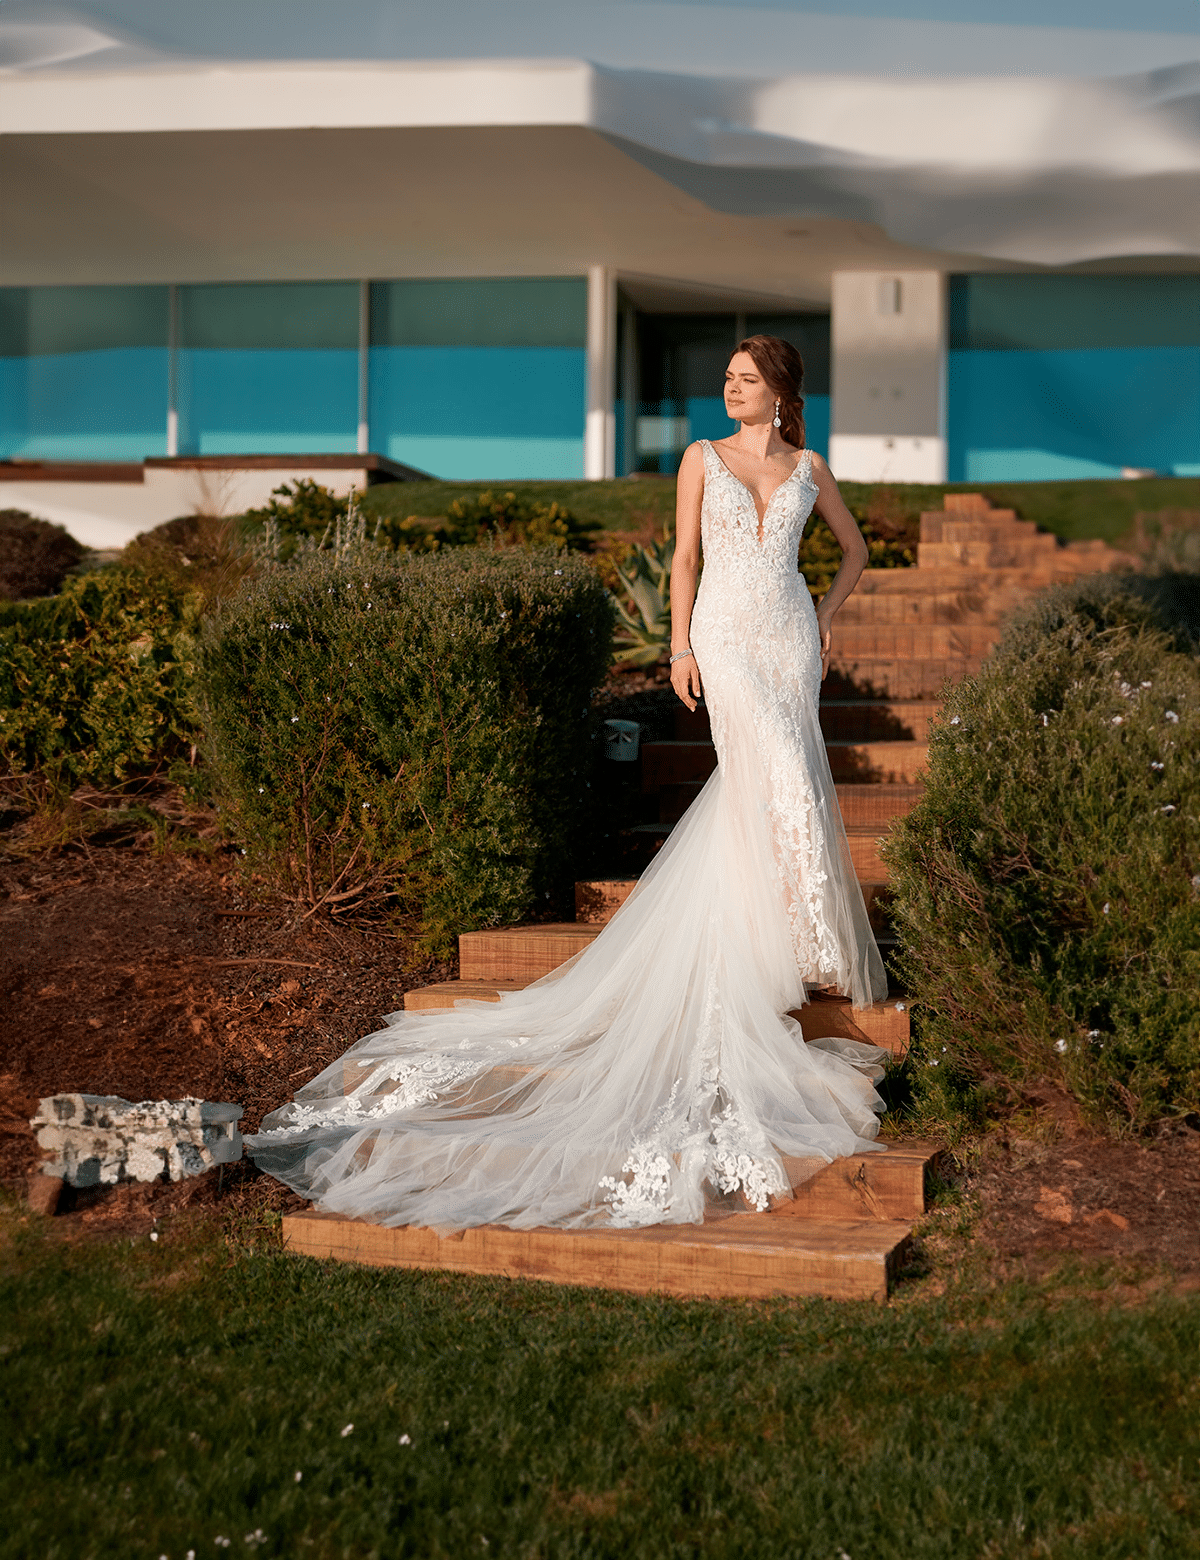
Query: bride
656	1075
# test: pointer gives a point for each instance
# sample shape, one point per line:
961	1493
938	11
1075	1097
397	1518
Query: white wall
888	370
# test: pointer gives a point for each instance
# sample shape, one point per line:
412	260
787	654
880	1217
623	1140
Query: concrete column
888	340
173	370
600	427
364	368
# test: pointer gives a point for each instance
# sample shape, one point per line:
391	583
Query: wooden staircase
899	638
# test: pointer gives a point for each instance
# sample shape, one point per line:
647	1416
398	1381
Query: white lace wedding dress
656	1073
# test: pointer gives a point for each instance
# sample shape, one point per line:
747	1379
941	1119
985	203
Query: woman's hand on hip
685	679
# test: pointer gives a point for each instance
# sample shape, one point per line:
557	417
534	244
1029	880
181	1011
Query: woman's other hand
685	679
825	629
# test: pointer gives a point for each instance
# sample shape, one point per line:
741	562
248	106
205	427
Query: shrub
411	730
201	553
504	519
96	683
1047	886
35	556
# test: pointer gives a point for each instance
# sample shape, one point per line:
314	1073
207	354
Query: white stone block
98	1140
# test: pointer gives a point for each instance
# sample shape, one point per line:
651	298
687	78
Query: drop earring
777	422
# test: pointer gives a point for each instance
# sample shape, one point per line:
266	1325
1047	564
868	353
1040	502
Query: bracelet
682	656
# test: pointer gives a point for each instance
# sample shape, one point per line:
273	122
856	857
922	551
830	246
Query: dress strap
806	465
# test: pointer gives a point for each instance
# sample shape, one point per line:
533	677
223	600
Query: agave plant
643	603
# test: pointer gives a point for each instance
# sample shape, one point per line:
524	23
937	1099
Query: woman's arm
832	509
685	569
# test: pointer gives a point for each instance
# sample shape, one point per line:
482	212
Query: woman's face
747	397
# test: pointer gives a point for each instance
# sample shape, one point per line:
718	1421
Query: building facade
519	240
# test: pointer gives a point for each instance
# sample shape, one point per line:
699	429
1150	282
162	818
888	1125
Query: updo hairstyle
782	369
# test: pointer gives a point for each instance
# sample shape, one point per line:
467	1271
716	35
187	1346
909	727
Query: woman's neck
761	440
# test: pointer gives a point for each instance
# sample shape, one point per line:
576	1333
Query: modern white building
509	239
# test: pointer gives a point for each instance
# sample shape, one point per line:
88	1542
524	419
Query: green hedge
411	730
1048	884
96	683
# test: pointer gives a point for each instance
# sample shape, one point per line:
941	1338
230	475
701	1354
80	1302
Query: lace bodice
756	570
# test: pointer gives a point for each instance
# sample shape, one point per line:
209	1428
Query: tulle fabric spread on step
656	1074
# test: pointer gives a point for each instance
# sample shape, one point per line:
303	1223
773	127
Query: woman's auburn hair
782	369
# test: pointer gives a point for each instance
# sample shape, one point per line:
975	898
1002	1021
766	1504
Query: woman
656	1075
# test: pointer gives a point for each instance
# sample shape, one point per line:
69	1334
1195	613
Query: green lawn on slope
1072	510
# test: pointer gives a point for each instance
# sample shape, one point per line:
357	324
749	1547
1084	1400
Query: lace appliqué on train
419	1082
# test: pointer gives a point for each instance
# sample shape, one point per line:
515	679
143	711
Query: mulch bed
154	976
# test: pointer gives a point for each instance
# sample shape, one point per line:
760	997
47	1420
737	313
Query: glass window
1061	377
268	368
680	373
83	372
480	378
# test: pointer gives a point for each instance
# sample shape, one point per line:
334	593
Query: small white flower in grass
1147	685
901	1007
191	1555
295	718
298	1476
1172	717
1104	910
222	1543
406	1440
935	1062
261	789
153	1234
1060	1046
1157	765
1169	808
1093	1034
1118	720
347	1430
954	720
558	571
366	807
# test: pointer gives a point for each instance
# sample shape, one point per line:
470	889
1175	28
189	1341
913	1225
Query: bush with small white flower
1043	885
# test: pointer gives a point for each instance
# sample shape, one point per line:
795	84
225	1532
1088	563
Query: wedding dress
656	1073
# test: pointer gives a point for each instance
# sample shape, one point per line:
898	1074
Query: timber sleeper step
825	1014
750	1256
522	953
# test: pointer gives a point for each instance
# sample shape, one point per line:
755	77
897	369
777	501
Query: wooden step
918	608
874	806
882	1187
884	1023
878	763
865	720
674	800
674	763
432	999
599	899
913	641
750	1256
887	678
864	853
995	528
522	953
877	898
987	555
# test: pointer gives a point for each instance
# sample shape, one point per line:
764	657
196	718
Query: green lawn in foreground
1072	510
159	1397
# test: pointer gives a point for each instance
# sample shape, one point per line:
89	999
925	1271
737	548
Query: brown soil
157	976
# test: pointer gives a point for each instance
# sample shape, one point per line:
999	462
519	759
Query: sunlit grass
160	1396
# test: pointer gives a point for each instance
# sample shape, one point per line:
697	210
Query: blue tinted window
268	368
480	379
1060	377
83	372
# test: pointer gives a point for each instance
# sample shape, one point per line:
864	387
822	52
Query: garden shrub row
413	730
96	684
1047	886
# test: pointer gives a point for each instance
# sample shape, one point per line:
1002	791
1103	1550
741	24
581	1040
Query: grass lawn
1072	510
162	1398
